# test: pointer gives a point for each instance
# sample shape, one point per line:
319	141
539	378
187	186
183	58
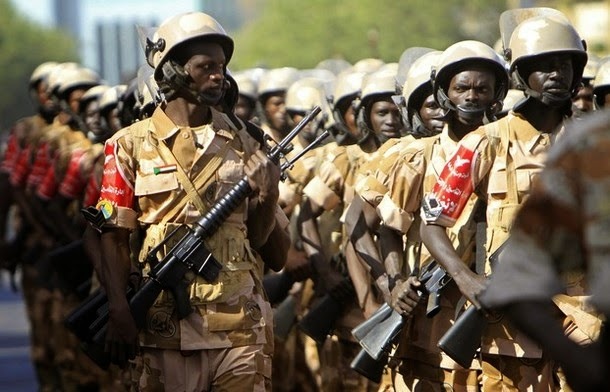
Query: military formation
431	224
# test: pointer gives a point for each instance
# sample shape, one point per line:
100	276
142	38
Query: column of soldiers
429	161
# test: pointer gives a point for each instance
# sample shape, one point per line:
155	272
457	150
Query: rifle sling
190	187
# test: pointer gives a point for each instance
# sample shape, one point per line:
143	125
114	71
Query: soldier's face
552	75
474	91
92	117
206	67
349	116
244	109
113	120
385	117
583	101
74	99
431	115
275	112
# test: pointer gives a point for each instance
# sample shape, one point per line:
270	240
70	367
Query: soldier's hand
121	336
263	176
404	296
471	285
298	264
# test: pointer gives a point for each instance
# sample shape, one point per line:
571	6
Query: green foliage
23	46
302	33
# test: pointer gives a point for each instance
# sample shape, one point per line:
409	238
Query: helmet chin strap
419	129
552	100
176	79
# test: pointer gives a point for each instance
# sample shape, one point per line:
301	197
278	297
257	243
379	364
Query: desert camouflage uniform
332	189
567	200
415	172
228	340
503	178
295	360
65	176
17	164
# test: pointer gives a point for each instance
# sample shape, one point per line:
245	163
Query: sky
101	10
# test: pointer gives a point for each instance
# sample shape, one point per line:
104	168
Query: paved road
16	373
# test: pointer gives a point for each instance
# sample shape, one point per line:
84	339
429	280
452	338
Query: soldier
601	86
582	102
559	230
292	366
272	100
469	84
245	108
226	343
547	59
16	166
331	190
109	112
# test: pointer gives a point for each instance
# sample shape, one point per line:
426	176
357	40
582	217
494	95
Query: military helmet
544	35
111	97
601	83
336	66
246	84
417	87
180	29
76	77
94	93
55	76
276	80
368	65
42	72
347	85
406	60
591	67
456	58
306	93
374	86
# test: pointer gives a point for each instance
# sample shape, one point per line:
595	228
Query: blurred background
267	33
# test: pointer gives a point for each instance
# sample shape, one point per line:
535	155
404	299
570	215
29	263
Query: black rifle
321	319
190	253
379	331
463	339
369	367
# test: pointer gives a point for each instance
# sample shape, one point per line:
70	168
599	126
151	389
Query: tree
302	33
23	46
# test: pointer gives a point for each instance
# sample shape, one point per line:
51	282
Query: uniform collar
164	128
526	132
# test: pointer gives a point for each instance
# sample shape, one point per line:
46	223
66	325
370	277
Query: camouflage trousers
503	373
416	376
337	375
245	368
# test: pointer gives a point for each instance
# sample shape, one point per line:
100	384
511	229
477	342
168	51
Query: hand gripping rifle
379	331
189	253
463	338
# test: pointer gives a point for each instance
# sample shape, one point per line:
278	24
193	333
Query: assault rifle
189	254
463	339
378	332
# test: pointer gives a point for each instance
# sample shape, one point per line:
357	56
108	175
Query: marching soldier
497	163
226	343
15	168
567	202
469	84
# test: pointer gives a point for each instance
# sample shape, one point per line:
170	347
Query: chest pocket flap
151	184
